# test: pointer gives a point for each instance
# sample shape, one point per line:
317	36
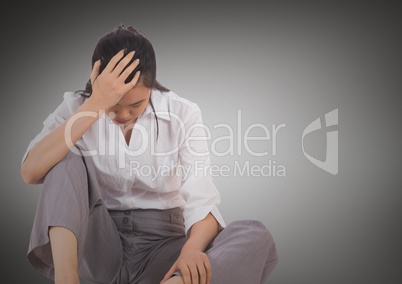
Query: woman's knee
66	181
71	168
250	227
256	234
71	163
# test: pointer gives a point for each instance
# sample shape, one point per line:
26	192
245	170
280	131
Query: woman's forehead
138	93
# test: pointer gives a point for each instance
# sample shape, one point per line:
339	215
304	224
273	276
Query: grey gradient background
277	61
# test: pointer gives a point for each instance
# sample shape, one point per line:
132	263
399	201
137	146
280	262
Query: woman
125	196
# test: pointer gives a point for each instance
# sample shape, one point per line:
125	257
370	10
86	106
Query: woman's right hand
107	89
109	86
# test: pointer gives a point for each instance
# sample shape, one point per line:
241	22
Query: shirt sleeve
70	102
197	188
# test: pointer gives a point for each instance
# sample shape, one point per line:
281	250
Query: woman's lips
122	121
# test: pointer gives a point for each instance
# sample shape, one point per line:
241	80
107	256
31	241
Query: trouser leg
70	198
243	252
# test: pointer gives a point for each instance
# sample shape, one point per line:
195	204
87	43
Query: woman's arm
54	146
108	88
193	263
202	233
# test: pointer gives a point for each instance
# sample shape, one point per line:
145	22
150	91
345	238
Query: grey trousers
140	245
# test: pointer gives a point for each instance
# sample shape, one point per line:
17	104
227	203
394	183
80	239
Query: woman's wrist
92	104
192	245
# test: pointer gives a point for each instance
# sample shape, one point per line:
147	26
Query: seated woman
125	197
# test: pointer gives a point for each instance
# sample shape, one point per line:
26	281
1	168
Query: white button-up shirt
161	172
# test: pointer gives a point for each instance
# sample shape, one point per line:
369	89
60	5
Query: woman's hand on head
109	86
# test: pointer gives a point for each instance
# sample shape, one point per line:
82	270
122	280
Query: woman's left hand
194	266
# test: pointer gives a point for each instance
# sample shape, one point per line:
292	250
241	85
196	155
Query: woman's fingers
196	270
122	64
134	80
202	273
112	63
95	71
194	274
129	69
127	87
109	86
208	271
170	272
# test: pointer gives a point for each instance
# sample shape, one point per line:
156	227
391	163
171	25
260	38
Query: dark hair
128	38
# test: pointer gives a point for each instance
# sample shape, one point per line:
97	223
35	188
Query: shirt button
125	220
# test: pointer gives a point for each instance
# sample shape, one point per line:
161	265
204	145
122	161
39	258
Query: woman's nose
123	114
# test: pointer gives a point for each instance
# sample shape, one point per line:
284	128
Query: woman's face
130	106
